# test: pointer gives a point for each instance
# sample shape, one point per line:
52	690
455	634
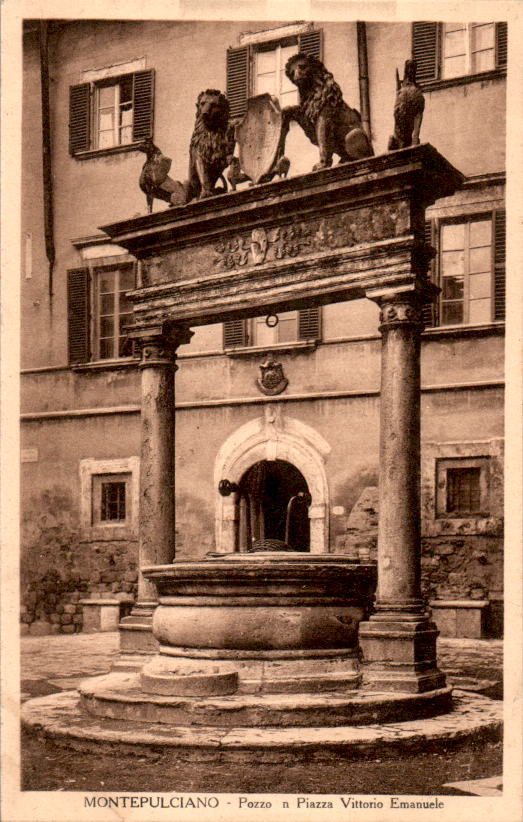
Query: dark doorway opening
273	499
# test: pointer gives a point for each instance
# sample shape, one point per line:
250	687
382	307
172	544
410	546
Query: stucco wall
188	57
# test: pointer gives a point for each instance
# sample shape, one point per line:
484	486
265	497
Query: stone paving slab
54	657
474	718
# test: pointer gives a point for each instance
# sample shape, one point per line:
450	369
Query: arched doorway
273	504
273	437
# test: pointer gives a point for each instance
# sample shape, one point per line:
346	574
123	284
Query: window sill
450	82
103	365
106	152
254	350
465	527
497	327
110	533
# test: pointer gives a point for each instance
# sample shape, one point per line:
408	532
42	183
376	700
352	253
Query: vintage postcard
261	411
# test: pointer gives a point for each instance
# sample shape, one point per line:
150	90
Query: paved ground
57	663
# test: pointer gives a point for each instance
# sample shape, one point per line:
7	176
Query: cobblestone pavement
58	663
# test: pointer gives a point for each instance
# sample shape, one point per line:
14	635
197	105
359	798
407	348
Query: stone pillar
399	640
158	347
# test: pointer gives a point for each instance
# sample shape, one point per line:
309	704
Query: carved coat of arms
259	136
272	380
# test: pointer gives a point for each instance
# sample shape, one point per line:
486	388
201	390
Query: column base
400	655
136	630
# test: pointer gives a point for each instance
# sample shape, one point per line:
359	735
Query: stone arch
274	436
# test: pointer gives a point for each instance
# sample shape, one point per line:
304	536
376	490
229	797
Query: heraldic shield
259	136
272	380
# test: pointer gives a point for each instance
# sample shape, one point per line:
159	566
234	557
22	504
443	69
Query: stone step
118	696
474	719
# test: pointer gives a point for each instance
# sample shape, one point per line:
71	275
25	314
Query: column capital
158	344
401	310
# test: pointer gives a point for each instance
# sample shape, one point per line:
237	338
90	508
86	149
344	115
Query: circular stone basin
266	601
284	621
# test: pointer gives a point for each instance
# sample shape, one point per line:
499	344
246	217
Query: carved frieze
335	231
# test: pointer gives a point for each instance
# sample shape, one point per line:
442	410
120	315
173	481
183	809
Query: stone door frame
271	437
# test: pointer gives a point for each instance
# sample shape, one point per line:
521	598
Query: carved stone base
400	656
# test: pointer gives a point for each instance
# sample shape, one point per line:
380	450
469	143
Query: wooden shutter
79	102
309	322
429	311
78	315
310	43
501	44
237	80
143	104
425	50
499	263
234	333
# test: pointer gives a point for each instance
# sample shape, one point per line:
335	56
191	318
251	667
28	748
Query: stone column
158	347
399	640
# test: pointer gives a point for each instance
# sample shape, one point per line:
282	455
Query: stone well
282	622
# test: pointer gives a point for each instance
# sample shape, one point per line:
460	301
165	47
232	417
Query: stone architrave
259	136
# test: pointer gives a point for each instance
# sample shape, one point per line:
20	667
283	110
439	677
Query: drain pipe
46	154
363	75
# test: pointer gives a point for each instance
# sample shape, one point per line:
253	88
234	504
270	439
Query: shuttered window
501	44
143	104
78	315
237	80
243	67
445	50
292	326
111	113
235	333
430	309
471	269
499	264
79	118
98	312
311	43
309	324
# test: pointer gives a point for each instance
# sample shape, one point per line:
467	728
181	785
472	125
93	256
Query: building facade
284	407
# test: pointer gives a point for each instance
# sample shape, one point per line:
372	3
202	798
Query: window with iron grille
113	501
110	499
469	267
462	487
463	491
444	51
111	113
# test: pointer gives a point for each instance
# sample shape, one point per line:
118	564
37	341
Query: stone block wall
58	567
454	567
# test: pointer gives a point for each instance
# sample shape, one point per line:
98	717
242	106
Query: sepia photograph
261	486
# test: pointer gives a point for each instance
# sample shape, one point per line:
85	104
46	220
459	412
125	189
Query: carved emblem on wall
260	137
272	379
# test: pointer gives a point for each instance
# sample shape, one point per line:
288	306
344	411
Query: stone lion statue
212	145
325	117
